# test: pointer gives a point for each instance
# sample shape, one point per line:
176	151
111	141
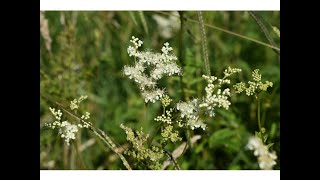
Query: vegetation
159	90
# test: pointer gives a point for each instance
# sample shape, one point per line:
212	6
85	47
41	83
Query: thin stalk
259	121
204	44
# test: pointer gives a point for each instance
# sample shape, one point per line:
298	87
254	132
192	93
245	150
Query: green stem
259	121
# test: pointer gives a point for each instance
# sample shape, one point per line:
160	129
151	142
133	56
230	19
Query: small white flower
266	159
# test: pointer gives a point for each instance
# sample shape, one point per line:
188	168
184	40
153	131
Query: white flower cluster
166	118
57	114
215	96
168	134
265	158
66	129
165	100
229	71
160	65
86	116
189	112
254	85
74	105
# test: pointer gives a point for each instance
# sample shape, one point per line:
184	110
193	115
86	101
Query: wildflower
86	116
67	131
168	134
254	85
166	118
140	150
160	65
165	101
189	111
152	96
265	158
215	96
57	113
74	104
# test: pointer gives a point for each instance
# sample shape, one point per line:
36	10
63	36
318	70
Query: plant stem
259	121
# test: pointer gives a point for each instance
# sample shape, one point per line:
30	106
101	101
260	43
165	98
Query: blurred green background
86	56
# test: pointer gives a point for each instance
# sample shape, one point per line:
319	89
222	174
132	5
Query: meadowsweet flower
74	104
57	113
189	111
168	134
229	71
165	101
254	86
139	148
86	116
152	96
166	118
67	131
266	159
215	96
159	65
